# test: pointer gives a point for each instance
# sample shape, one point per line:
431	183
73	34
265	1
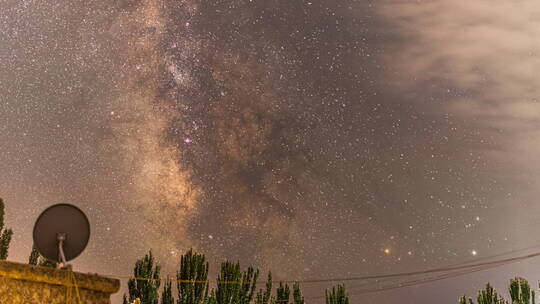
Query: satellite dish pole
61	237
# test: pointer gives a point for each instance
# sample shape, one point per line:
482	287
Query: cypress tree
464	300
337	295
212	298
263	297
166	296
520	291
282	294
297	294
194	268
248	285
34	256
489	296
234	286
147	288
5	234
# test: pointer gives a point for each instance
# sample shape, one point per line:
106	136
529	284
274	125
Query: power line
464	271
468	266
428	271
412	282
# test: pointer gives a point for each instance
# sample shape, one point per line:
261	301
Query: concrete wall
25	284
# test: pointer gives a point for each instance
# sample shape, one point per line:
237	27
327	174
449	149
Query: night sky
316	139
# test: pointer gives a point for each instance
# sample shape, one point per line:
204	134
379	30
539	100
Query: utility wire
474	268
412	282
457	267
428	271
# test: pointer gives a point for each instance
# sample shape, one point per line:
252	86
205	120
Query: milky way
312	138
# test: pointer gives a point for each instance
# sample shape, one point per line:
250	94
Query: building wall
26	284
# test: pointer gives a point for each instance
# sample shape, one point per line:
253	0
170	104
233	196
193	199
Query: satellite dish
61	233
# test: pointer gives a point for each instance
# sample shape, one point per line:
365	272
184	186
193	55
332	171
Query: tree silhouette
5	234
235	286
193	286
146	282
337	295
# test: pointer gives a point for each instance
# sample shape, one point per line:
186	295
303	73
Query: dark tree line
519	289
233	285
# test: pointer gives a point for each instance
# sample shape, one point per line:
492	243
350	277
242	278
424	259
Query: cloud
487	47
478	62
484	54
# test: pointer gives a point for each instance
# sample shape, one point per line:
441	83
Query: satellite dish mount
61	238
